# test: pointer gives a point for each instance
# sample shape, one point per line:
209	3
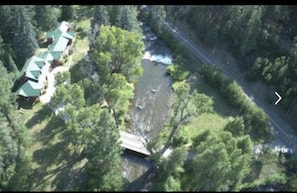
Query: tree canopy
14	136
45	17
24	40
220	162
118	51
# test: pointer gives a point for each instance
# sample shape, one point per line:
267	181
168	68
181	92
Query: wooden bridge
133	143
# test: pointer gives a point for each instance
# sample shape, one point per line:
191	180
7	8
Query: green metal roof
47	56
36	73
29	89
71	33
57	34
61	29
68	35
33	74
50	55
31	65
60	45
49	34
40	64
56	55
60	40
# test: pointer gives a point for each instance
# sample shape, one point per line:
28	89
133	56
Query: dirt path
51	87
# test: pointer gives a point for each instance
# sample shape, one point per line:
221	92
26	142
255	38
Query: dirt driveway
51	87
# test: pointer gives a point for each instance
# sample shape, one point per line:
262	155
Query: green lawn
39	121
220	105
53	164
212	121
266	168
30	111
81	43
205	121
80	48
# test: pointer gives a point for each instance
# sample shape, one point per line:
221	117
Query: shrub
177	73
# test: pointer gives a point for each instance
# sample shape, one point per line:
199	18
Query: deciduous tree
220	162
187	105
118	51
167	176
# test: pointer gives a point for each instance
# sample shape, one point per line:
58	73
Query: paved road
283	131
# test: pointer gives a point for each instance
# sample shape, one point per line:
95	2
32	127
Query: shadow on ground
62	178
53	160
52	154
220	105
76	72
70	179
39	116
141	183
54	127
56	169
256	168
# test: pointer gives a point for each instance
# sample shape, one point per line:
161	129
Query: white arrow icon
279	98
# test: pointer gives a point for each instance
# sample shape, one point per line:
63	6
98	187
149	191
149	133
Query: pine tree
45	17
67	13
12	131
5	27
100	16
115	15
24	41
12	67
128	19
156	16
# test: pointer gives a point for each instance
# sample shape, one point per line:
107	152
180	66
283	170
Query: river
151	105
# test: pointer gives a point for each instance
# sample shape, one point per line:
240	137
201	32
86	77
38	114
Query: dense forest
96	93
261	37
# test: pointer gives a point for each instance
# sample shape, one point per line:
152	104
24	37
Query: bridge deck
133	142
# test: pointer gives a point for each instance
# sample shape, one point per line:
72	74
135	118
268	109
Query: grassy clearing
267	168
30	111
81	45
271	165
220	105
205	121
53	162
213	121
36	123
